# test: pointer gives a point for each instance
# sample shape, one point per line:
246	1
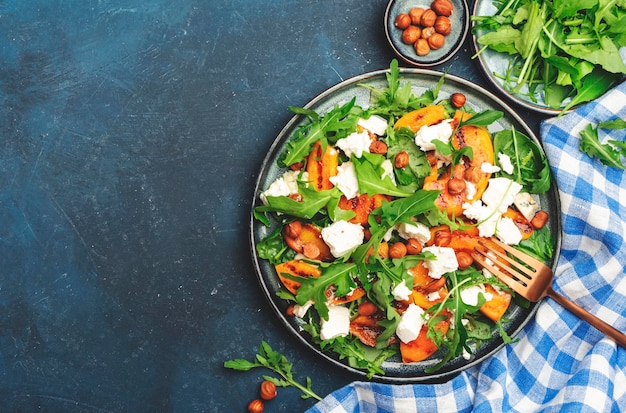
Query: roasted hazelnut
293	229
378	147
290	311
397	250
428	18
464	259
296	166
413	246
310	250
442	7
403	21
436	41
367	308
411	34
256	406
457	100
442	25
267	390
427	32
421	47
442	238
401	160
540	219
416	15
456	186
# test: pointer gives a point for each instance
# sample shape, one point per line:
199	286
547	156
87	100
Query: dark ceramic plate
421	80
459	27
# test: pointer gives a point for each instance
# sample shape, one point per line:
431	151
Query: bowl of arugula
322	237
550	56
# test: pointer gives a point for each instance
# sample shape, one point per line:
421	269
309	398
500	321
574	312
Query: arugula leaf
274	249
276	362
370	172
412	176
312	202
610	154
335	124
531	168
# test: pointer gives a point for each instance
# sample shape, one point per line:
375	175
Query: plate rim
437	377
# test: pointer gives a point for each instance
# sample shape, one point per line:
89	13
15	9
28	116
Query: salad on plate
375	216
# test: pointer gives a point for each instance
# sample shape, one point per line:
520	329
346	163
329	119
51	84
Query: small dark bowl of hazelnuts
426	33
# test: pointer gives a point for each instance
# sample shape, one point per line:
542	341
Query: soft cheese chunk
401	292
417	230
342	237
500	193
375	124
410	324
427	134
355	143
338	323
505	162
470	295
346	180
444	262
508	232
526	205
284	185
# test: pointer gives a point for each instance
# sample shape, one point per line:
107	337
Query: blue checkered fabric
560	363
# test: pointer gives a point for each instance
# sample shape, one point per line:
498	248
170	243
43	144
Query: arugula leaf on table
336	124
278	363
610	153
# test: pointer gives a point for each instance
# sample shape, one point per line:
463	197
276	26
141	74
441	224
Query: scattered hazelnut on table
268	390
256	406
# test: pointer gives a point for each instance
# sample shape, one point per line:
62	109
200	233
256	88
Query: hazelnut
464	259
442	25
378	147
293	229
428	18
539	220
268	390
256	406
427	32
442	7
411	34
442	238
403	21
290	311
310	250
421	47
436	41
383	249
413	246
367	308
456	186
296	166
397	250
457	100
416	15
401	160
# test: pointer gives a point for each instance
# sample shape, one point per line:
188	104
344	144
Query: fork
533	281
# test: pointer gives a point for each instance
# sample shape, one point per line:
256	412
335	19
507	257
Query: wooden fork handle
609	330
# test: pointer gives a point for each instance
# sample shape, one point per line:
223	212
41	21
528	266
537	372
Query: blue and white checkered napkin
560	363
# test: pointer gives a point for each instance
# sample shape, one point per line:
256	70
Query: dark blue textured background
131	135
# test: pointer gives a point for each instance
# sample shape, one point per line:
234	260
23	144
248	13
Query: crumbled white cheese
486	217
444	262
342	237
300	310
356	143
375	124
388	168
410	324
470	295
470	190
284	185
401	292
425	136
500	193
415	230
489	168
526	205
508	232
434	296
346	180
338	323
505	162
